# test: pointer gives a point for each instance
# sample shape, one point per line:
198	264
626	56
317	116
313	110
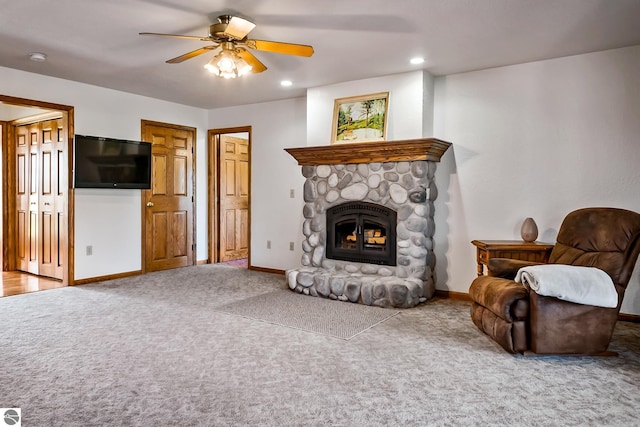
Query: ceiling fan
230	34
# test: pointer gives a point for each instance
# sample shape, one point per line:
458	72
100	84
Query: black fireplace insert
362	232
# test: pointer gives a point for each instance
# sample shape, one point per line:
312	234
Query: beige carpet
323	316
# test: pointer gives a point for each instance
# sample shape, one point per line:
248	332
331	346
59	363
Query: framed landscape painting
360	118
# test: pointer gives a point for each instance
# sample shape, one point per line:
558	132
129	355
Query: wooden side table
513	249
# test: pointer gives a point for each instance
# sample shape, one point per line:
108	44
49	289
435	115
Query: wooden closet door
41	185
27	149
50	198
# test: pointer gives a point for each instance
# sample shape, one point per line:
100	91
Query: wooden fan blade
256	65
279	47
238	28
191	54
179	36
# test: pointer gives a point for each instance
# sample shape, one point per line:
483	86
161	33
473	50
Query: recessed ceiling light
286	83
416	61
37	56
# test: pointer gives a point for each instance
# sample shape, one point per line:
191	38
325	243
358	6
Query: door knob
149	204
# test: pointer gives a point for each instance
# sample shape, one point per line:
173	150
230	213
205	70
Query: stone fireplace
368	222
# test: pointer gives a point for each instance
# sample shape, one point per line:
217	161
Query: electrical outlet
292	193
290	246
268	244
89	250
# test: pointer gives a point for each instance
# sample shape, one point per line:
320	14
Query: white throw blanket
582	285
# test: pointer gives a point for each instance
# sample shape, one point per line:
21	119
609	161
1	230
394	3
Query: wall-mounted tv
111	163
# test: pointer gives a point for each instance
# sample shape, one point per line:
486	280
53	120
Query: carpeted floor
323	316
156	350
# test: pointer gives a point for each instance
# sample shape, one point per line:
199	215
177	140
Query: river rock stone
416	224
323	171
305	259
308	211
398	194
374	180
321	285
322	187
419	169
309	191
373	195
291	278
391	176
317	255
337	285
346	180
352	290
332	196
355	192
403	167
398	294
418	196
305	279
333	180
388	165
308	171
365	293
363	170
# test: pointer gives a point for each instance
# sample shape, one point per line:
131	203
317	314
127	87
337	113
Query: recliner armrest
507	268
503	297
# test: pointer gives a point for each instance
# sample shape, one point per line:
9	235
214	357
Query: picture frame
360	118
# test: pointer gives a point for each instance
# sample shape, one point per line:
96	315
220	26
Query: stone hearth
397	175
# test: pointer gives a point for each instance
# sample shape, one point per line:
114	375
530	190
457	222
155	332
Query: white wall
539	140
405	110
274	215
110	220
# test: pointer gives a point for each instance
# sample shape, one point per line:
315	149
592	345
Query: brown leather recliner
522	321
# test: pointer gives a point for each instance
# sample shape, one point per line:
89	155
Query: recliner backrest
606	238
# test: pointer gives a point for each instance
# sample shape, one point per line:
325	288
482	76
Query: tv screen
111	163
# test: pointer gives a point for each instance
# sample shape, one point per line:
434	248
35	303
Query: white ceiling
97	41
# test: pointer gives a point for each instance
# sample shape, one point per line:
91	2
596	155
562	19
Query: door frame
143	225
9	231
213	192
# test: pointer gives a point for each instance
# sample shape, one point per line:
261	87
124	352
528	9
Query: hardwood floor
15	283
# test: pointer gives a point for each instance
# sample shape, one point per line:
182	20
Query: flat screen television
111	163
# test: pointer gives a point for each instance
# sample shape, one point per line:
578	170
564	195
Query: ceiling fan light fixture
243	67
228	64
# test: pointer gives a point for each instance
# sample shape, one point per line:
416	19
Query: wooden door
51	212
41	185
168	219
234	197
26	250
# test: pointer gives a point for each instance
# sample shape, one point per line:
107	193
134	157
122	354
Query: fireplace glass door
361	232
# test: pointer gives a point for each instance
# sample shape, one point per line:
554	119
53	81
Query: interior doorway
229	184
46	173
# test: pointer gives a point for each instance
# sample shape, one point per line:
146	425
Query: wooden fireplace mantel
371	152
